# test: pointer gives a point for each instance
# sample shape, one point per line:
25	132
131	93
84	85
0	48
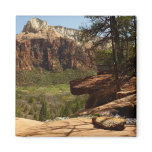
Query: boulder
109	123
89	85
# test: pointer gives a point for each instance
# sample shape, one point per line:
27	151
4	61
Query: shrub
19	112
36	116
31	112
44	112
72	106
47	78
31	100
25	109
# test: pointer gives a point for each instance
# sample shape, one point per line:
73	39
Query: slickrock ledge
105	83
80	127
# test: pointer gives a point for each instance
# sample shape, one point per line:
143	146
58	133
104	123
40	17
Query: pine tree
120	30
105	27
44	112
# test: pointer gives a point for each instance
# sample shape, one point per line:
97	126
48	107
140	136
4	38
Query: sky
66	21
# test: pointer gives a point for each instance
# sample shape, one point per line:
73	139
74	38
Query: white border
9	9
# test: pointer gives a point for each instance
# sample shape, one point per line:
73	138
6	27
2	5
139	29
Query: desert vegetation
46	95
36	77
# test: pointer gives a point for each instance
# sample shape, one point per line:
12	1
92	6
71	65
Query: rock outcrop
124	107
124	93
102	89
92	84
53	48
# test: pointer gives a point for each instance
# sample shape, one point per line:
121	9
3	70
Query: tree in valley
44	112
119	30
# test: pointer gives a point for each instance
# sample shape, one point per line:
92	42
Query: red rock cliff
41	45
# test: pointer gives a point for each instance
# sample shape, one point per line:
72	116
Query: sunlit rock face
52	48
68	33
34	25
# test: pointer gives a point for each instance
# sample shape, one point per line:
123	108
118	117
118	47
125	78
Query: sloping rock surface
125	107
105	83
69	127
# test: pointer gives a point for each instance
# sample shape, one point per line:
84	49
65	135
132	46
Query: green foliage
121	31
72	106
104	57
36	116
31	112
47	90
19	112
44	112
47	78
34	107
31	100
25	109
60	102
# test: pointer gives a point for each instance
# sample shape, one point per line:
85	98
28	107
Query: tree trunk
112	25
127	50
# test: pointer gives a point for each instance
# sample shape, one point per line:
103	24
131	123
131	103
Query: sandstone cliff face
53	48
57	55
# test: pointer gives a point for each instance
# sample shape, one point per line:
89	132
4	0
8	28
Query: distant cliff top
36	25
36	28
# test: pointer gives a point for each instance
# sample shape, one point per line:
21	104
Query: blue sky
66	21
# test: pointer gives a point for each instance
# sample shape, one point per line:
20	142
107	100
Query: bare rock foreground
71	127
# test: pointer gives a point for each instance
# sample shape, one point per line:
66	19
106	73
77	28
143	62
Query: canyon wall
52	48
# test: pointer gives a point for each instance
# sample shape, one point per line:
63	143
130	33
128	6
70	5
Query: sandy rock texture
64	128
